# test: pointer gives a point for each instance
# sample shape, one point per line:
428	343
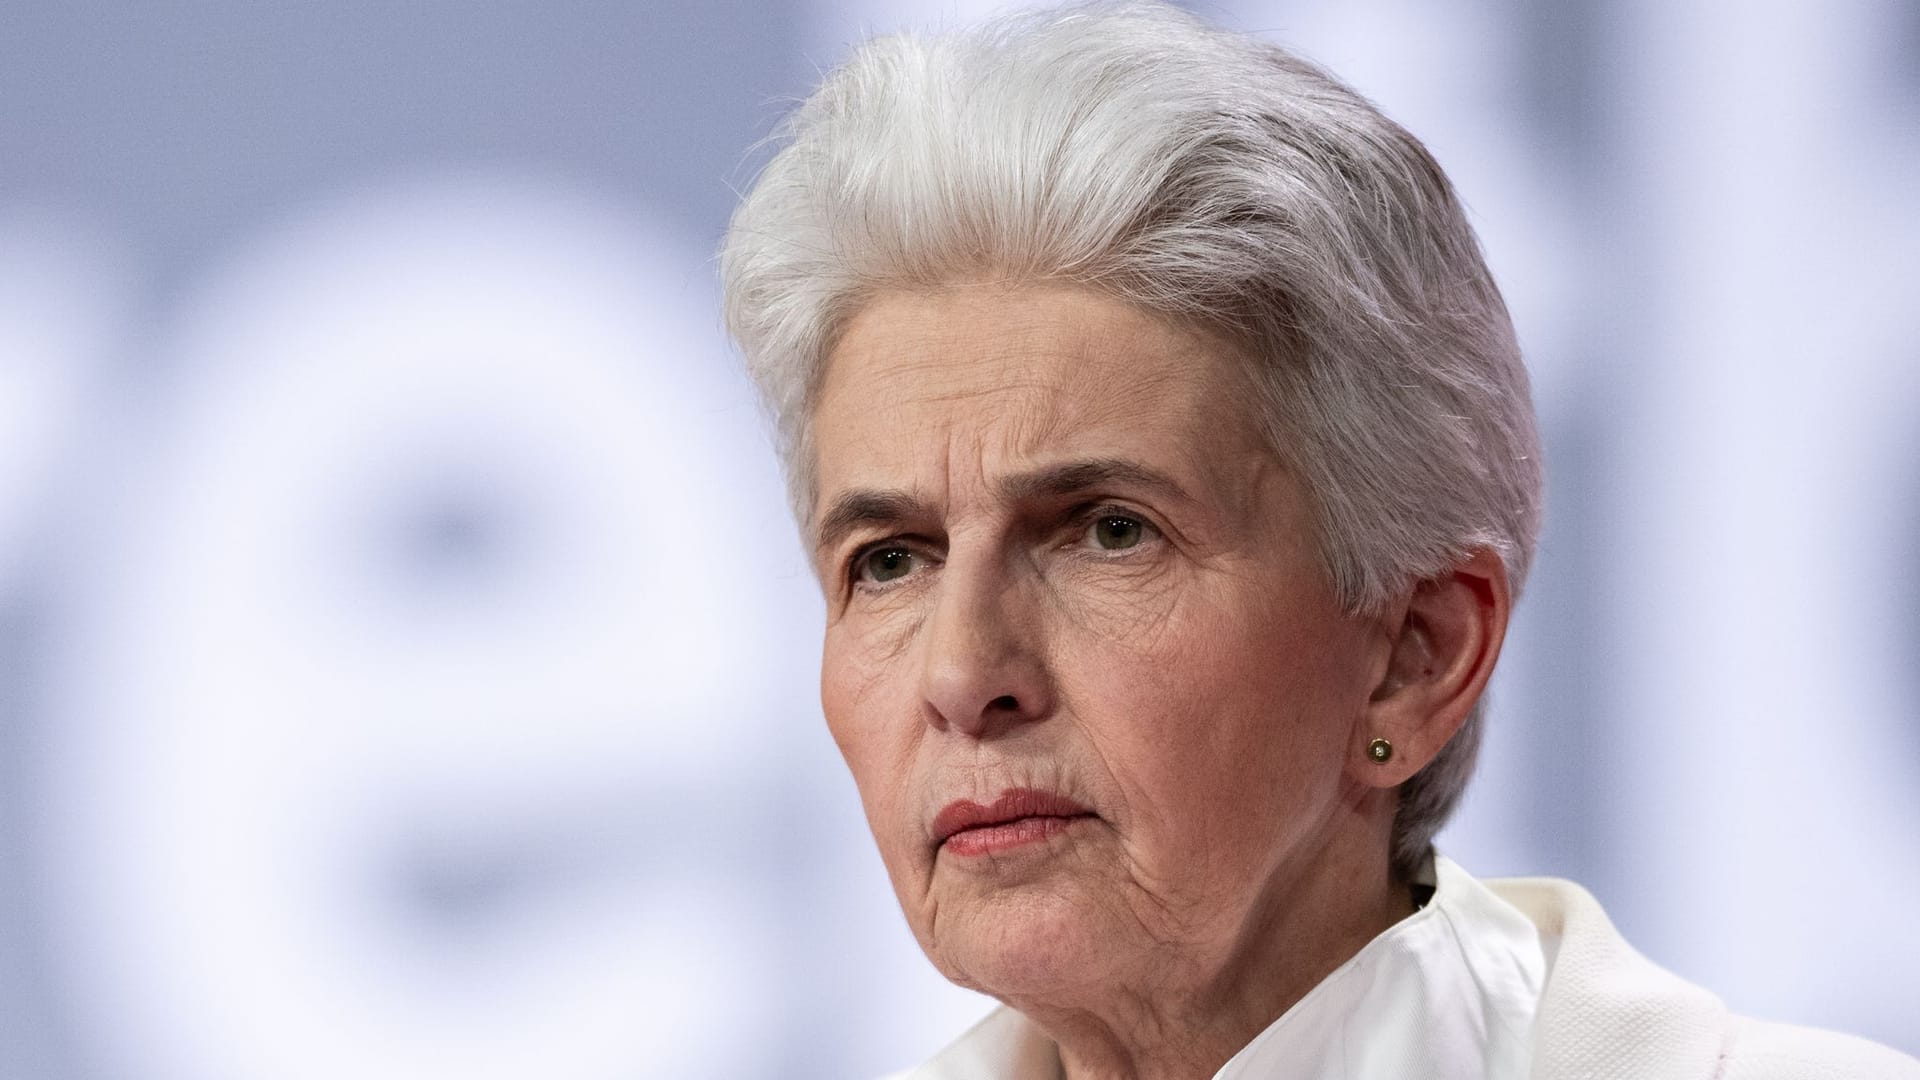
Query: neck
1189	1011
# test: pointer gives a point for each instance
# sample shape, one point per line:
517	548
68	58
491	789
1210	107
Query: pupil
889	564
1120	532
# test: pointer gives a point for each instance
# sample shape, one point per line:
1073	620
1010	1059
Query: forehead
983	379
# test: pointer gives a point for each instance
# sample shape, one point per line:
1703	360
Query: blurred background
407	665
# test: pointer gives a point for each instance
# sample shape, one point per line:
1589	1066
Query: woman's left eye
1117	532
883	564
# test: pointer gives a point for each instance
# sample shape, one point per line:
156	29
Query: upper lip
1012	805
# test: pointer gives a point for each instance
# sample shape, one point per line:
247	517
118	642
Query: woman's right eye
883	564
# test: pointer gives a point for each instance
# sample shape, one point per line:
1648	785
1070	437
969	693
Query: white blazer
1523	979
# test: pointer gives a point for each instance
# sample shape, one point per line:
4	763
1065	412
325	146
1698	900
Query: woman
1167	462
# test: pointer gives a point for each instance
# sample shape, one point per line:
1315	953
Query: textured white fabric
1609	1013
1496	981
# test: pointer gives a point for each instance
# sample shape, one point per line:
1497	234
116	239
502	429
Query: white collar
1448	992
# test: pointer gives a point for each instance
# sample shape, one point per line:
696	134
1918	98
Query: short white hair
1200	174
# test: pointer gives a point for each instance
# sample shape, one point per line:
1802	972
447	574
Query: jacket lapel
1608	1013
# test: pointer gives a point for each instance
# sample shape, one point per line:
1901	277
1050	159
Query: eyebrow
862	508
1073	477
866	507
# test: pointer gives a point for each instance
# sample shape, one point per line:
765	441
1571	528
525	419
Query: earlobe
1441	651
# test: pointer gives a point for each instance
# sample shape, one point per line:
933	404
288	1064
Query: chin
1024	942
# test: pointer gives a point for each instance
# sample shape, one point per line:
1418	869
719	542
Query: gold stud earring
1380	750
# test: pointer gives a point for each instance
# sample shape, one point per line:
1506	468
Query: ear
1441	649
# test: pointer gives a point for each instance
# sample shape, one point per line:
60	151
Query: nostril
1004	703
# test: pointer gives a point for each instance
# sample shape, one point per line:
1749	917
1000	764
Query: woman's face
1075	612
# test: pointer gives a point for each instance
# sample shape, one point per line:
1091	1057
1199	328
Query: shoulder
1607	1011
1762	1051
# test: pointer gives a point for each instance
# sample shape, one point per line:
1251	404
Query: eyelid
1090	515
1092	512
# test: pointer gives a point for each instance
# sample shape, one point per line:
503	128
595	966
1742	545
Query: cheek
1221	724
851	697
867	685
874	731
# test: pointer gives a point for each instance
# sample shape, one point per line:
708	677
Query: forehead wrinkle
1166	371
1200	458
1142	395
1047	384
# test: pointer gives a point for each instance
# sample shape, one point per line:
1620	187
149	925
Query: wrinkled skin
1151	635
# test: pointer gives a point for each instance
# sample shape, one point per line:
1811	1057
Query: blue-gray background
406	667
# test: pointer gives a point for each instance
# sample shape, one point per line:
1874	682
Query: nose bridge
983	666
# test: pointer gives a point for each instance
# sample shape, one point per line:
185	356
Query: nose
984	668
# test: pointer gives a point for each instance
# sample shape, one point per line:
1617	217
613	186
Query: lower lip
1007	835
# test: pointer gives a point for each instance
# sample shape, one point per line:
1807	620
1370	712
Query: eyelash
1082	519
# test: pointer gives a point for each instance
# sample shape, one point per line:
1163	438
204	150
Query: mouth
1020	816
